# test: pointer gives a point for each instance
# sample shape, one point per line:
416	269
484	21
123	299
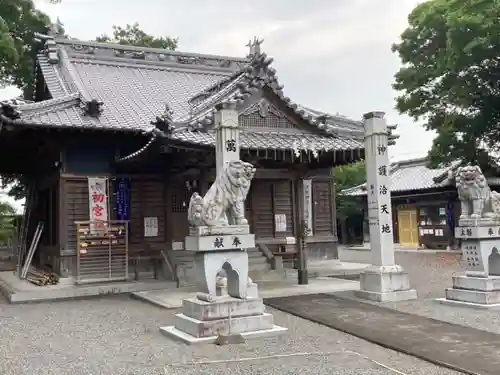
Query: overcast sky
331	55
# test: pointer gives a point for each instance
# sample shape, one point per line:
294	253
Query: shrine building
126	133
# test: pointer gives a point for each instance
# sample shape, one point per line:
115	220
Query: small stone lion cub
224	202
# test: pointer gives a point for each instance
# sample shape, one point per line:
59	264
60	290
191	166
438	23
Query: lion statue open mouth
476	198
224	203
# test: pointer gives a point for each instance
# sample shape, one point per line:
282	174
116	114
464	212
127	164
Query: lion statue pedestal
219	236
479	232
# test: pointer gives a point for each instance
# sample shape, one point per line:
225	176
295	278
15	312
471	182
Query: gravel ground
118	335
430	274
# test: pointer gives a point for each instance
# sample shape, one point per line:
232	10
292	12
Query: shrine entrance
407	225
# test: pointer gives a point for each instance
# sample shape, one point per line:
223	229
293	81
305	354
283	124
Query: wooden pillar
204	175
333	212
66	265
300	235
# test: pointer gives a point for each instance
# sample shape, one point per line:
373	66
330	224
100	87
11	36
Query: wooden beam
333	213
62	216
297	193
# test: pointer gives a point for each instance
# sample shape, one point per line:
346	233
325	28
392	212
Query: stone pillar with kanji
227	302
383	280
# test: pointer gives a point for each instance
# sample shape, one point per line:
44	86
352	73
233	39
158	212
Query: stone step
254	254
257	260
259	267
6	256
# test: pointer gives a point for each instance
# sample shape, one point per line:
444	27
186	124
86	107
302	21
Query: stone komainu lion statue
476	198
224	202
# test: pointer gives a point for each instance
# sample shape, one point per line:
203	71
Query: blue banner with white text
122	194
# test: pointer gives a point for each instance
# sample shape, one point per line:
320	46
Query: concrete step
8	265
259	267
6	256
267	275
258	260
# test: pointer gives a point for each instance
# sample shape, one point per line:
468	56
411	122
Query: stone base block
252	291
402	295
475	292
174	333
201	310
473	296
444	301
226	326
385	284
484	284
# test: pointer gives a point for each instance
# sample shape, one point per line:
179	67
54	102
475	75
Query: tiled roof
136	85
275	140
410	175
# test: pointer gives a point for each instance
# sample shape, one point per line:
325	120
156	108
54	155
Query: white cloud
9	93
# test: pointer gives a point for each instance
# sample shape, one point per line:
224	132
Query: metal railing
102	251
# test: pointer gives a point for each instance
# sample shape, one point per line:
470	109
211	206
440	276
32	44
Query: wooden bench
146	252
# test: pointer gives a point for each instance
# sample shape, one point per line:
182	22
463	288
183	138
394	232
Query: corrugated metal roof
411	175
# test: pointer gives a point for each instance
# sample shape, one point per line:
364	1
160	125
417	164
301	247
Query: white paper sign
98	201
280	223
150	227
308	208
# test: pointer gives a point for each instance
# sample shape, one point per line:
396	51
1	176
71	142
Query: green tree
19	21
450	77
7	221
135	36
348	176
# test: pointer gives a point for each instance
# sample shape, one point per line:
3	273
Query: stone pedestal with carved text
383	280
223	305
480	244
219	235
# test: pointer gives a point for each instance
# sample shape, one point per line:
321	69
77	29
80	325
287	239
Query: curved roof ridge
49	104
126	47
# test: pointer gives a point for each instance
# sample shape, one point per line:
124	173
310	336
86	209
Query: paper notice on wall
280	223
98	202
150	227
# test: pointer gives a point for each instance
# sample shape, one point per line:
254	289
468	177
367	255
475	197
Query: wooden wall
148	198
322	210
168	201
269	198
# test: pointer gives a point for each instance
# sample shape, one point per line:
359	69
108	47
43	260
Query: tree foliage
7	221
450	77
135	36
19	21
348	176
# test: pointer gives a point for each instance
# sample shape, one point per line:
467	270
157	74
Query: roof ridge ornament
92	108
49	46
164	122
9	111
254	47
